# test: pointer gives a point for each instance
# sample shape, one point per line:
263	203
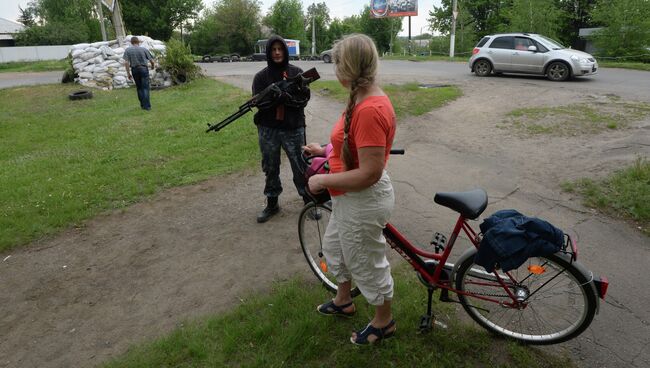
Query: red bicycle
547	300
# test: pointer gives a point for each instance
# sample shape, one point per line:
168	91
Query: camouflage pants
291	141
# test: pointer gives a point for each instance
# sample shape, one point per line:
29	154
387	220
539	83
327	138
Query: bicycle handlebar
397	151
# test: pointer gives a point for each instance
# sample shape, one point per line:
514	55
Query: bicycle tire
558	311
311	229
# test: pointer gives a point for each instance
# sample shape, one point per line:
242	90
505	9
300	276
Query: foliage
484	16
626	27
340	27
229	26
382	30
578	15
538	16
66	161
178	61
27	16
59	22
54	33
157	19
286	18
318	14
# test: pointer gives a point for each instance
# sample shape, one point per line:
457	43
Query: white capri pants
353	244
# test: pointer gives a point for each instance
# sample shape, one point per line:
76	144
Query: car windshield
554	45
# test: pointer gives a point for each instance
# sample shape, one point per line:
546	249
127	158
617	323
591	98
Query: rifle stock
267	97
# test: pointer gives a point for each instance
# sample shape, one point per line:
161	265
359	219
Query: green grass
625	193
624	65
284	330
66	161
34	66
408	99
576	119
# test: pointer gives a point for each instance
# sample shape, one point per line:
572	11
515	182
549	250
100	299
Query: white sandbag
160	47
88	68
102	77
107	51
79	66
93	49
87	55
76	52
86	75
97	60
99	44
119	79
119	51
100	69
77	61
80	46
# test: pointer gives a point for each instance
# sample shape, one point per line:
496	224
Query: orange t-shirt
373	125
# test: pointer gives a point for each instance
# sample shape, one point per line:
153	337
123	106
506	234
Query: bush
178	62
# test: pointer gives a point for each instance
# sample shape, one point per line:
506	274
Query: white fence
33	53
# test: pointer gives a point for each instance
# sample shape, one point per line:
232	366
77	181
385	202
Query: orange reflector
537	270
323	266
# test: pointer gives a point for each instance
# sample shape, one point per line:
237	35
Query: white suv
529	53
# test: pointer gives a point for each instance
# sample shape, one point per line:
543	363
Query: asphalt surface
8	80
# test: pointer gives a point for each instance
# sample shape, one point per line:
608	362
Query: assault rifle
289	91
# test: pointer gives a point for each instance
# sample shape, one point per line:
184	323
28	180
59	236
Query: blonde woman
362	193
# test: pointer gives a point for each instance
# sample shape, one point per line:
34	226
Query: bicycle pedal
426	323
439	241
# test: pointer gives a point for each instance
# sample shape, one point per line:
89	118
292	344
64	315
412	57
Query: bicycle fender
588	275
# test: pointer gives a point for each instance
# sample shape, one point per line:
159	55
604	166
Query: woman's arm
371	167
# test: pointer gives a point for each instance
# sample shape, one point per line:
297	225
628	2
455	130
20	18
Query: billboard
393	8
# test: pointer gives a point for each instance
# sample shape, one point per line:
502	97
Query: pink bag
319	164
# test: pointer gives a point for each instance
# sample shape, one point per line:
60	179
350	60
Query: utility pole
409	35
117	22
313	29
100	13
452	37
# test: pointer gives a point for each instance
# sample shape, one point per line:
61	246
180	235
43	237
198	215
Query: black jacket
280	116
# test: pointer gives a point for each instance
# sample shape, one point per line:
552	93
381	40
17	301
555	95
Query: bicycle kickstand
426	320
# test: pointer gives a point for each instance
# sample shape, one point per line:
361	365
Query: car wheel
80	95
327	59
482	68
206	58
558	71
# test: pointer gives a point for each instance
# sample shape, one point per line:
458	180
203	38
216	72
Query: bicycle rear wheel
558	303
312	223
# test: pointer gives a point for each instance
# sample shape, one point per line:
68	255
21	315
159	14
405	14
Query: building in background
8	28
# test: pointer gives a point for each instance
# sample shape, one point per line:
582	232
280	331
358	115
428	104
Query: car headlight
579	59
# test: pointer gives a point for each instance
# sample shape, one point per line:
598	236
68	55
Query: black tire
561	301
80	95
180	78
558	71
327	59
482	68
312	223
206	59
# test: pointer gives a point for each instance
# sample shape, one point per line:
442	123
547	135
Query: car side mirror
532	48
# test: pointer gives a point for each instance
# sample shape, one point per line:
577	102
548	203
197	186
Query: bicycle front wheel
557	302
312	223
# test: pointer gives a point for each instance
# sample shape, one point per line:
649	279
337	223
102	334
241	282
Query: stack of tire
101	65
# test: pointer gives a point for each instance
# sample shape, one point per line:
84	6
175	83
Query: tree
59	22
338	28
157	18
230	26
286	19
382	30
534	16
626	27
27	17
578	13
319	15
485	16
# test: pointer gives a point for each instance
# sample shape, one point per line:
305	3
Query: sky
338	9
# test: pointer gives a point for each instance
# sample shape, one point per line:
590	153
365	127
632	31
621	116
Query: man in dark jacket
280	126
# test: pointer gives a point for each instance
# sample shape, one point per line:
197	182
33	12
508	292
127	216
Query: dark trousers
291	141
141	78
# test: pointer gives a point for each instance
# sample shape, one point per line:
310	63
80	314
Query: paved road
8	80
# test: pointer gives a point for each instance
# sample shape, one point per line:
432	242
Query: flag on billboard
110	4
393	8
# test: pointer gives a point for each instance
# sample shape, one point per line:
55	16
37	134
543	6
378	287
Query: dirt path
86	295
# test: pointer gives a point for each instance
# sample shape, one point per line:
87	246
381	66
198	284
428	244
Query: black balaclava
276	70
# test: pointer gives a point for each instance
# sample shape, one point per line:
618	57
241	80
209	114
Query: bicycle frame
411	254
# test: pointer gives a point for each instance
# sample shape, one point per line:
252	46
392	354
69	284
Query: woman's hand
314	149
316	183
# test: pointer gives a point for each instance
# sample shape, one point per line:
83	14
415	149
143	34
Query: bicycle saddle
469	204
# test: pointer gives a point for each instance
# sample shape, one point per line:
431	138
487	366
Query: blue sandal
331	309
380	333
